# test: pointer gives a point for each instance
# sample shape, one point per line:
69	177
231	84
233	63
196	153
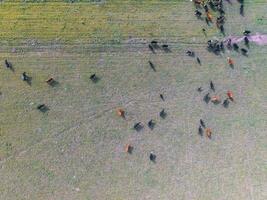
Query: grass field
76	149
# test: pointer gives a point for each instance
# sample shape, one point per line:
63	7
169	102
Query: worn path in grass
76	150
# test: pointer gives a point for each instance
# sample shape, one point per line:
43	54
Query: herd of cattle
214	46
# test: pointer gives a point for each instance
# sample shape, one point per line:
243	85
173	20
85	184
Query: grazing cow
215	99
230	61
42	107
161	96
229	43
230	95
198	61
151	124
207	98
200	89
208	132
163	114
138	126
209	16
190	53
212	86
165	47
121	113
246	40
8	64
206	8
24	76
152	157
200	131
246	32
236	47
198	13
94	78
51	82
244	51
154	43
222	29
204	31
202	123
152	66
151	48
241	10
129	148
226	103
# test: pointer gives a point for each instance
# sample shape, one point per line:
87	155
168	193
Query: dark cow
151	48
226	103
200	131
94	78
42	107
8	65
198	60
163	114
207	98
200	89
212	86
152	66
190	53
152	157
236	47
162	97
138	126
198	13
151	124
202	123
241	10
244	51
246	32
246	40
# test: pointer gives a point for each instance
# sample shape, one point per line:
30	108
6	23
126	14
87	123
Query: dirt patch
259	39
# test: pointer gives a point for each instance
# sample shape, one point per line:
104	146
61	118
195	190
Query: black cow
236	47
198	60
151	48
212	86
244	51
198	13
200	89
42	107
241	10
152	157
246	40
190	53
226	103
162	97
163	114
138	126
207	98
94	78
200	131
246	32
152	66
151	124
202	123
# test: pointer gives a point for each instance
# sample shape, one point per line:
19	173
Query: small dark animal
198	13
246	40
246	32
151	124
241	10
226	103
94	78
138	126
236	47
190	53
200	89
151	48
51	82
24	76
202	123
42	108
207	98
212	86
152	157
206	8
244	51
222	29
198	60
161	96
152	66
8	64
165	47
163	114
200	131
